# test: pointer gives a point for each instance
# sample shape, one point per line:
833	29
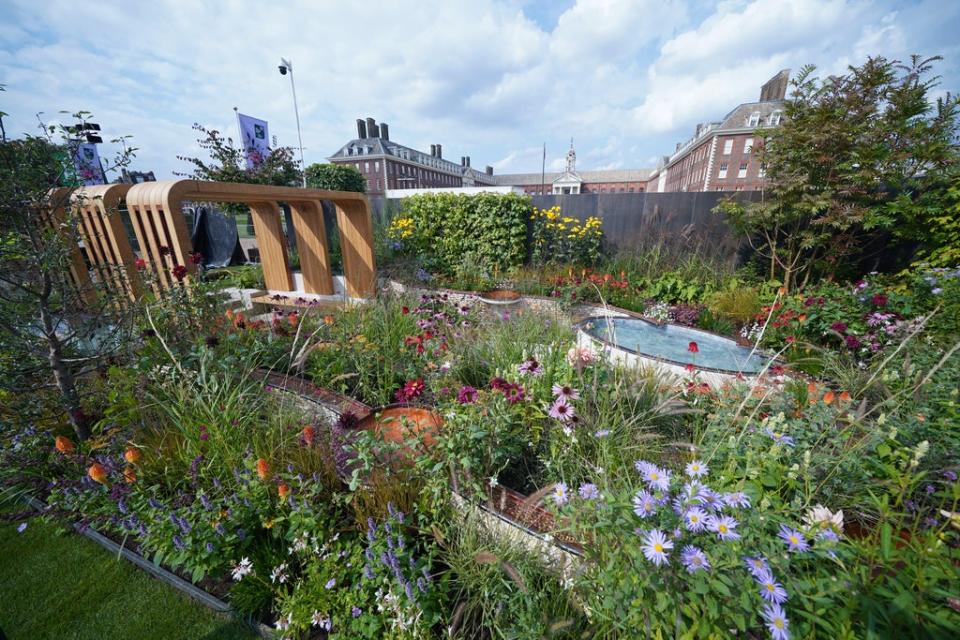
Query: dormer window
775	118
754	120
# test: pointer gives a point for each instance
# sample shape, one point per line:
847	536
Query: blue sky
492	79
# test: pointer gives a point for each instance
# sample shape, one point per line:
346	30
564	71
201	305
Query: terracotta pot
397	423
500	296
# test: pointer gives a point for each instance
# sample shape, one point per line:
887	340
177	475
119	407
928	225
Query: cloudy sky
493	79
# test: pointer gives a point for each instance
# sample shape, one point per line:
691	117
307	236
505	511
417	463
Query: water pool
671	342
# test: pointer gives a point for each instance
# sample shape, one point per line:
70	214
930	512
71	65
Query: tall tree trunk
66	383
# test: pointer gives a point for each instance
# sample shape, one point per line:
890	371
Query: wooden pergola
155	210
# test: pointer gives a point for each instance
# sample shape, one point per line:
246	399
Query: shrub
443	229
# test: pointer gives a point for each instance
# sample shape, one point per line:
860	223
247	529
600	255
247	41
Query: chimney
489	170
433	150
463	161
468	161
440	151
361	128
372	128
384	131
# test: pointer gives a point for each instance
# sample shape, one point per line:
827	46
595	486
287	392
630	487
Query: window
728	147
743	170
376	166
723	170
775	118
763	170
754	120
630	190
366	167
748	145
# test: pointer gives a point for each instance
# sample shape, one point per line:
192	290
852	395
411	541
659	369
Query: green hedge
446	229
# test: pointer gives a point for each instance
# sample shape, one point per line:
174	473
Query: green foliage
228	163
444	229
866	151
738	304
335	177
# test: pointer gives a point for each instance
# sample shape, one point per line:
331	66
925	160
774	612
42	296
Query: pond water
671	342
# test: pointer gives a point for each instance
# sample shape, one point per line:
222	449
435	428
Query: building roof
611	175
740	116
379	147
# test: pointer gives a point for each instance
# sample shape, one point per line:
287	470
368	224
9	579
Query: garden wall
631	220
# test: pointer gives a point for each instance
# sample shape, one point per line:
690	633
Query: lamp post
285	66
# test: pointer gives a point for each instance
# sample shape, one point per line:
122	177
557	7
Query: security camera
283	70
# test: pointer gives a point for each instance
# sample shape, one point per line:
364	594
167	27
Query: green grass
64	586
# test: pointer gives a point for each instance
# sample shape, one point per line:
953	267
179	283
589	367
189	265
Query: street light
285	66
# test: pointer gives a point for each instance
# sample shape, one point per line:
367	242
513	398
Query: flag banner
256	140
86	161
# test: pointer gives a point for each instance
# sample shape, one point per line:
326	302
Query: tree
335	177
856	154
228	164
51	332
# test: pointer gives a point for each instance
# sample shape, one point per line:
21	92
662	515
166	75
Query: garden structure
164	249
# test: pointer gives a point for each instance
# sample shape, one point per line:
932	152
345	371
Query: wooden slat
356	244
311	235
79	273
273	246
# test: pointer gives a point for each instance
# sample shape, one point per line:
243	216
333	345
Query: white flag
86	161
256	140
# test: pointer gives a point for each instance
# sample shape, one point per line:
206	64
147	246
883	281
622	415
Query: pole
543	170
296	112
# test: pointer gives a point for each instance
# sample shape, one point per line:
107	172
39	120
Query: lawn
55	584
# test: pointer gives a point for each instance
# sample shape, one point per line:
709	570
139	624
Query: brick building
388	165
719	156
572	181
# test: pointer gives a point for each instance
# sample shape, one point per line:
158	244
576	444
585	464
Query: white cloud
625	78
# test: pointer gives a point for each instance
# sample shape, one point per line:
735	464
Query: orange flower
238	321
132	455
263	469
844	396
328	320
129	475
308	433
283	490
64	445
98	473
292	319
828	397
229	314
782	291
802	317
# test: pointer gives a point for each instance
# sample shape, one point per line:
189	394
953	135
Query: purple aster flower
642	466
950	475
644	504
770	589
589	491
356	612
736	499
655	547
530	367
724	527
794	539
757	566
602	433
21	527
657	478
331	583
694	559
710	499
695	519
780	438
560	496
565	391
776	620
696	469
561	410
